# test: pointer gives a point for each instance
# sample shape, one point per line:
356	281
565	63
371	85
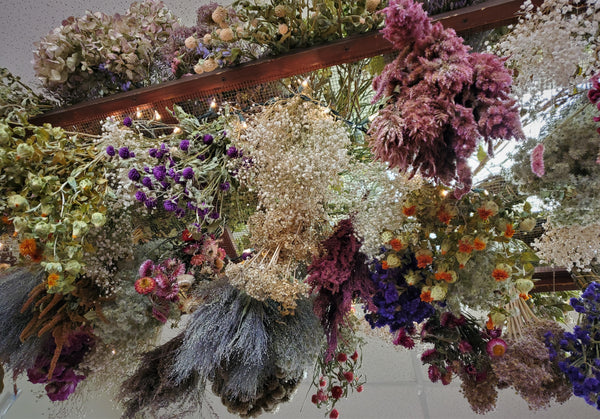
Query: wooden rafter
487	15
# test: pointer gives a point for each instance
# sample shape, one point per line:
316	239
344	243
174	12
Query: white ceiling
397	386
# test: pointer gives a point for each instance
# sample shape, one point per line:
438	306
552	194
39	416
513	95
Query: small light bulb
444	193
138	113
176	130
244	125
213	104
113	352
305	83
157	116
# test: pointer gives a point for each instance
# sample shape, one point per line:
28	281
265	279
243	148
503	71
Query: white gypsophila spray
573	246
554	46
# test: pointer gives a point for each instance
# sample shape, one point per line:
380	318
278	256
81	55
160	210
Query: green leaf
481	154
72	182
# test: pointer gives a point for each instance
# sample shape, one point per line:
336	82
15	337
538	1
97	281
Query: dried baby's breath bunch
295	150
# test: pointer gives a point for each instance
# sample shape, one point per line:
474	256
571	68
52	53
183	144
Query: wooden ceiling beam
487	15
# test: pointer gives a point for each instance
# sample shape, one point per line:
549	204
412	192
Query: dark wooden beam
490	14
550	279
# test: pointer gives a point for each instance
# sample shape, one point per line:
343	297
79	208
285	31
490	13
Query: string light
176	130
138	113
157	116
444	193
305	83
213	104
244	125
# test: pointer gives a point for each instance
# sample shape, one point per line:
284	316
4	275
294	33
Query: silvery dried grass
15	285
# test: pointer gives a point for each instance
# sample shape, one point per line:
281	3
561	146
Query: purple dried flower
159	172
207	139
150	203
152	152
170	205
201	157
214	215
124	153
147	182
134	175
127	121
110	150
232	152
224	186
140	196
184	145
146	268
188	173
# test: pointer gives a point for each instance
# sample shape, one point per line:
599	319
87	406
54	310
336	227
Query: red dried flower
145	285
349	376
336	392
342	357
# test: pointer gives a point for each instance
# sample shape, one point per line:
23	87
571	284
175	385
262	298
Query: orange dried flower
6	220
524	296
444	216
500	274
53	279
426	296
489	325
444	276
484	213
396	244
509	231
479	244
384	265
409	211
423	260
465	245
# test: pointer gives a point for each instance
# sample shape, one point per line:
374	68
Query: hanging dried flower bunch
441	100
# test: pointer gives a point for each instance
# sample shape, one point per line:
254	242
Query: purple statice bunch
577	352
161	283
527	368
64	378
397	304
338	276
441	100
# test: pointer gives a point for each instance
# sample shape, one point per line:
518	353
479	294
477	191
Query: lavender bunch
577	352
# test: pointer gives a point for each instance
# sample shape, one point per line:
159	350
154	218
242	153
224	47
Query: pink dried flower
537	160
405	21
496	347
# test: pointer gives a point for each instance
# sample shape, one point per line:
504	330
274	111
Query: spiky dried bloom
338	276
440	100
526	366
